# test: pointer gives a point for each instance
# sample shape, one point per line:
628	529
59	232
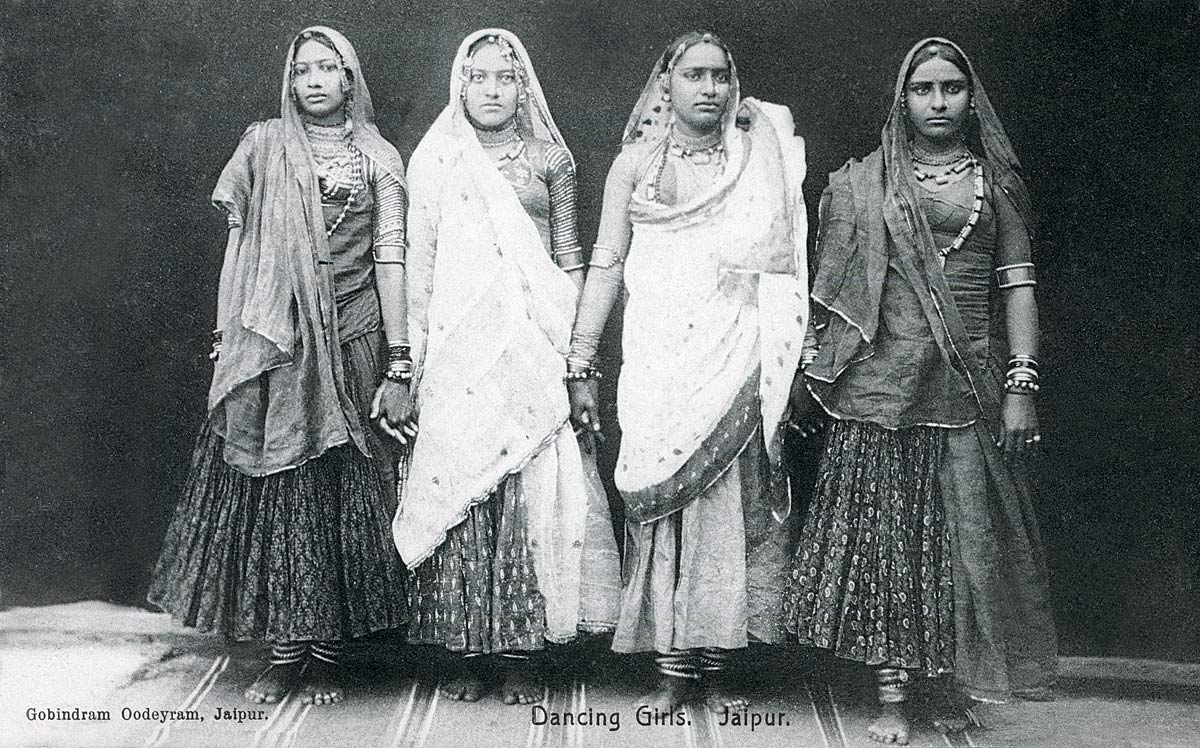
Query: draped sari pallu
717	304
1005	637
278	396
490	324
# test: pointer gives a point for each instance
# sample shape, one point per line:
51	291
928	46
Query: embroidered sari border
716	453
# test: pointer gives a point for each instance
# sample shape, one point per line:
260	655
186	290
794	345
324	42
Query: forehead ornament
508	54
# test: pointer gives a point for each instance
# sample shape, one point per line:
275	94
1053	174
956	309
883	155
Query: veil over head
278	288
748	226
533	113
896	141
360	111
490	317
872	225
652	115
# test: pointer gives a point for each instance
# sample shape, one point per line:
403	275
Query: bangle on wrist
400	364
582	375
399	377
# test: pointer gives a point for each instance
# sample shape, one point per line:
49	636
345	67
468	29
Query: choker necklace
922	156
326	132
702	150
945	177
687	145
506	135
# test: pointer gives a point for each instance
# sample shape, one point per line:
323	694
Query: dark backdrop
118	115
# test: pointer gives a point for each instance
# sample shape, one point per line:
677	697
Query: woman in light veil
704	226
502	518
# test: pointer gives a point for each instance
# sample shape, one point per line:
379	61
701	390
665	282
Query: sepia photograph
565	373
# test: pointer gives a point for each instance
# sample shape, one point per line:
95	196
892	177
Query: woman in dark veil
921	553
283	531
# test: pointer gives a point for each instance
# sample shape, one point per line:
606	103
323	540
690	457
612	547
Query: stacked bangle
1022	378
400	363
1012	276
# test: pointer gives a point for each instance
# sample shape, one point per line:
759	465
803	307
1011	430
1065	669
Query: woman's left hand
804	415
392	409
1021	436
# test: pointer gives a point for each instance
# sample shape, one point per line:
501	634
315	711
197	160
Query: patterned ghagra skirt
478	592
871	580
300	555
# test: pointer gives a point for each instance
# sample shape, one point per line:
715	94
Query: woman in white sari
704	223
502	516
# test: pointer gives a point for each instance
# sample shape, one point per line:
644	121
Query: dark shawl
1005	640
278	395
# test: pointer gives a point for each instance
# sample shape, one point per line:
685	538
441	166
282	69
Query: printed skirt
871	579
478	593
304	554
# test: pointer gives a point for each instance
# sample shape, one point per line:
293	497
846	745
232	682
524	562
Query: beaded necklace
945	177
356	160
507	138
329	190
710	147
976	207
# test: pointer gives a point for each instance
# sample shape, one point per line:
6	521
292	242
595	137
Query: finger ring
1030	441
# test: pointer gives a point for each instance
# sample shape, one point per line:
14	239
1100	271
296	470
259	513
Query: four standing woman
919	553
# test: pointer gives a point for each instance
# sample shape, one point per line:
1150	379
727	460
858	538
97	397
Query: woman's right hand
584	395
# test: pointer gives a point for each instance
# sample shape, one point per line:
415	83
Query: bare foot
891	726
668	695
274	683
958	719
522	686
464	685
462	688
720	698
324	684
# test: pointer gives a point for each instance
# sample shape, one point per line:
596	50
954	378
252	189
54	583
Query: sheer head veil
533	113
896	141
487	303
652	116
281	317
360	111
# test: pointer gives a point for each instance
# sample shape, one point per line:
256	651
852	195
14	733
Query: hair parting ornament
686	42
651	114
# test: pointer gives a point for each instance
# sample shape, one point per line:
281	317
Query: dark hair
479	43
944	51
319	38
688	40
